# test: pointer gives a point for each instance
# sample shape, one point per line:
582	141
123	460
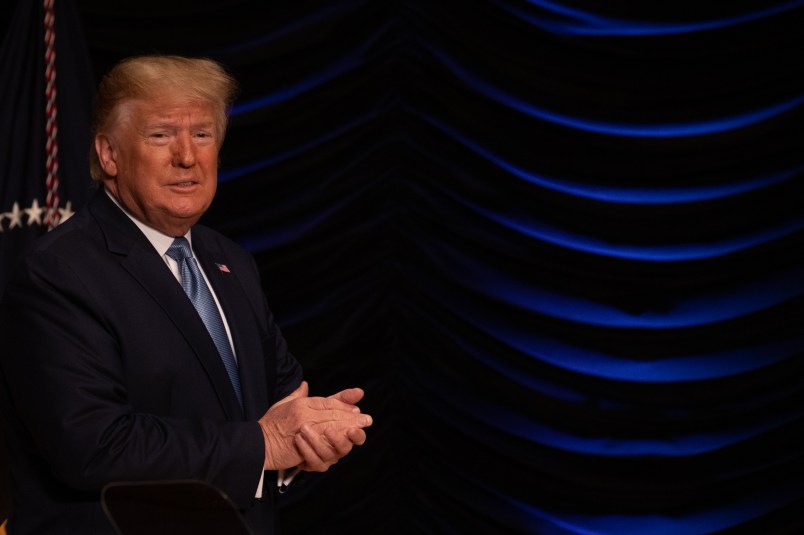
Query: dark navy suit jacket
108	374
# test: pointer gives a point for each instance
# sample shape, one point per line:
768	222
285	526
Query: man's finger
356	436
317	457
331	403
350	396
340	420
343	442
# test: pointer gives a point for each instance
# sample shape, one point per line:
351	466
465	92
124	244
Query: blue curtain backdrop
559	243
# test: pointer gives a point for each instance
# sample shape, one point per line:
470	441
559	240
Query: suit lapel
145	265
228	288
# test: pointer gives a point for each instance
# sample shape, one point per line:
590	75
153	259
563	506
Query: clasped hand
312	433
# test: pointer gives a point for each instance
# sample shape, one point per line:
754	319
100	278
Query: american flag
24	72
59	89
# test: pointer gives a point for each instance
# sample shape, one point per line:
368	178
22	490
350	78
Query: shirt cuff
258	495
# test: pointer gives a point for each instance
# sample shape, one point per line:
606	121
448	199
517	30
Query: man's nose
184	151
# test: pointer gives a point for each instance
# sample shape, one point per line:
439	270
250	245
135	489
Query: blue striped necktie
196	289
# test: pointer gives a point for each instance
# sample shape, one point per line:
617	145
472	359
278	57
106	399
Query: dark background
558	244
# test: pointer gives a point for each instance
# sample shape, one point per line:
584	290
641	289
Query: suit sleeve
68	388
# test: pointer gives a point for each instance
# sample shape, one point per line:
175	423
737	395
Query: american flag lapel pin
223	267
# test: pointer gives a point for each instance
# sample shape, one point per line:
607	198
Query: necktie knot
179	249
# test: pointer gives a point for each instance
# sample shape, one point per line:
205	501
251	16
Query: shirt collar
159	240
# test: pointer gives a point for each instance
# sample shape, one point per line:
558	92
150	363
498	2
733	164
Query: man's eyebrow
160	124
172	124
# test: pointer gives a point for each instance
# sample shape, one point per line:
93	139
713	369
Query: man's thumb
300	392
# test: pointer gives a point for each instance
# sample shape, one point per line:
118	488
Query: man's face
162	160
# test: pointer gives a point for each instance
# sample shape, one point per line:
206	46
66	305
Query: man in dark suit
113	368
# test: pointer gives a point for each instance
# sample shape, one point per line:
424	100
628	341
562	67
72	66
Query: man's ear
106	154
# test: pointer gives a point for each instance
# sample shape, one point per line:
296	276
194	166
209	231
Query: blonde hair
158	77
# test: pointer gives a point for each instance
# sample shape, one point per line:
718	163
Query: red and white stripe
51	128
